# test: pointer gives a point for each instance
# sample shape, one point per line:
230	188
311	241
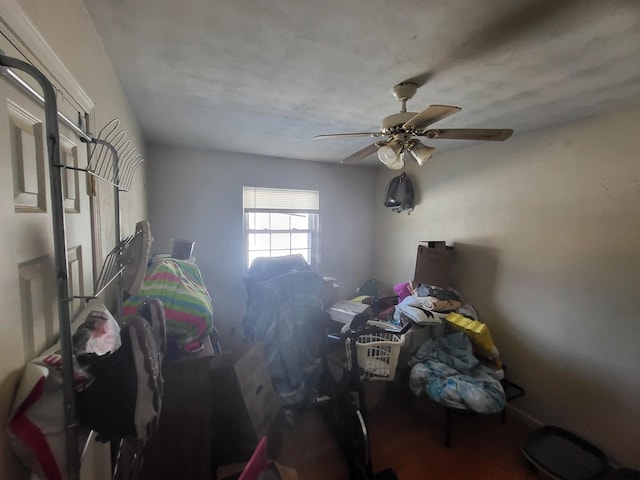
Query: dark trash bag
400	195
368	288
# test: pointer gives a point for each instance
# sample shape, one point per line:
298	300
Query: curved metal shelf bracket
113	158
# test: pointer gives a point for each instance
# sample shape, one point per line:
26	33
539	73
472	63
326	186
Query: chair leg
447	427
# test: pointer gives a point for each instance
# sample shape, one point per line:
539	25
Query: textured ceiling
265	76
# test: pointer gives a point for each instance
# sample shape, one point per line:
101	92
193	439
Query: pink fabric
164	276
402	290
257	463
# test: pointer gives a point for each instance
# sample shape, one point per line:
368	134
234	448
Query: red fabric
257	463
31	435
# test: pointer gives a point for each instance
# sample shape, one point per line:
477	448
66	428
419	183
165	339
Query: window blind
280	199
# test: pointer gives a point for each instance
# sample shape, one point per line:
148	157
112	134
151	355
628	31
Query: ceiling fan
400	129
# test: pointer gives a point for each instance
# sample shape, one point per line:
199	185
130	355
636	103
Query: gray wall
198	195
546	230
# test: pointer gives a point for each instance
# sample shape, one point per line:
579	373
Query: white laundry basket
377	352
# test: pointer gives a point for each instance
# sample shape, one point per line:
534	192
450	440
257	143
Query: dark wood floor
408	436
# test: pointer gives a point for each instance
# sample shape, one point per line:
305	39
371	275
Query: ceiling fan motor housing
396	120
405	90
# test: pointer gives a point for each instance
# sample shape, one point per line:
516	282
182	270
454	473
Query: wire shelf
112	266
113	157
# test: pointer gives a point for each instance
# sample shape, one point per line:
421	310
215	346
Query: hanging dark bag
400	194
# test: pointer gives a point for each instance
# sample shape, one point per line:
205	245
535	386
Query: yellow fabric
360	298
477	331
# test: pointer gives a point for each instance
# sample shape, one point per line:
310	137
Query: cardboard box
260	399
344	311
244	405
433	264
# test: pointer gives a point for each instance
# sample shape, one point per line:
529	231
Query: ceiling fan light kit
390	155
403	126
421	153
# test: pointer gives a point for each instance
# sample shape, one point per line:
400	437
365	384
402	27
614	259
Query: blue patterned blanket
445	369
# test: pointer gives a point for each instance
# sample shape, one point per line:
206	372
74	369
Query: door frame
18	28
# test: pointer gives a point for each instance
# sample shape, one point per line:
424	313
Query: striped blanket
187	304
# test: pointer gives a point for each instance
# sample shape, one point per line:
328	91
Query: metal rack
112	159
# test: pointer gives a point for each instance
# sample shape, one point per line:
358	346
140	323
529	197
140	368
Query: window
281	222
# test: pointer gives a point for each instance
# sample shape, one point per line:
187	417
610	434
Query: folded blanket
432	304
420	310
438	305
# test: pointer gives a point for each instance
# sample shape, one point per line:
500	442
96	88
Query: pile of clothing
445	369
445	365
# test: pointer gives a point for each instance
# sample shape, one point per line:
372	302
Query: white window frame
288	202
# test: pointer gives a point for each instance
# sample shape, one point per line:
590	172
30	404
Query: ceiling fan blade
360	154
339	135
420	79
429	115
491	134
504	31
